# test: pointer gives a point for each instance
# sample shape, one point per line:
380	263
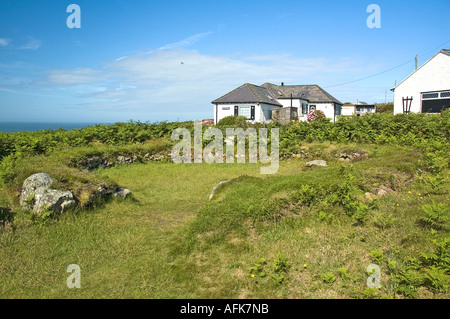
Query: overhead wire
393	68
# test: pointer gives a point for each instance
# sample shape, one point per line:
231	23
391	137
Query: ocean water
37	126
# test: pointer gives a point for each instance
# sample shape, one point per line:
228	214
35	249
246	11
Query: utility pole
416	61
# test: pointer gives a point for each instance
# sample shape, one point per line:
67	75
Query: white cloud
159	83
32	44
185	42
4	42
73	77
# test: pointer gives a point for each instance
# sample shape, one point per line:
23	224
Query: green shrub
436	215
328	278
257	269
343	272
440	257
376	256
361	212
307	195
280	264
437	279
237	121
383	221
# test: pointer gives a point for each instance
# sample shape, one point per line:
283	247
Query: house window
445	94
246	111
358	109
312	108
304	108
430	96
337	109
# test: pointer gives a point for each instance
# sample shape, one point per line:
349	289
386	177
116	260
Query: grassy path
165	244
122	248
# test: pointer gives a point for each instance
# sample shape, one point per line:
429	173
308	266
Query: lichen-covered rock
316	163
54	200
122	193
33	185
36	195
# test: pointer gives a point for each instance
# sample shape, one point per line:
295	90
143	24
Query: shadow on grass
6	216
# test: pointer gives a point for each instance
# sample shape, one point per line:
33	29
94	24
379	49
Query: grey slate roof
248	93
445	51
312	93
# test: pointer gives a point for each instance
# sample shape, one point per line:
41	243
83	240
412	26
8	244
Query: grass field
301	233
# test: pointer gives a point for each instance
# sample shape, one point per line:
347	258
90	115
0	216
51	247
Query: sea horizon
13	127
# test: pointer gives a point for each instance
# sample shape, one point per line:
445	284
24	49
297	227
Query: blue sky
125	61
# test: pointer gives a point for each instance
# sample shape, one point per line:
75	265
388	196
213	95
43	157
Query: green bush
328	278
436	215
238	121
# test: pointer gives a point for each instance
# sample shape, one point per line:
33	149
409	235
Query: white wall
287	102
348	110
432	76
263	112
221	112
326	108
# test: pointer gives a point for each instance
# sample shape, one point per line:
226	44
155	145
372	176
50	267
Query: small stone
369	195
316	163
122	192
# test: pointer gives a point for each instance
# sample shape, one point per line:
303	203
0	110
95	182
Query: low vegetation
385	108
304	232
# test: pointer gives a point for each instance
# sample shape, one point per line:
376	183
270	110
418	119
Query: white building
427	89
348	109
358	109
257	102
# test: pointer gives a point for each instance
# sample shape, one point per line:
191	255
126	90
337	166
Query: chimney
282	83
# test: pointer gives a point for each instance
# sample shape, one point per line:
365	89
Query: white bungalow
427	89
257	102
358	109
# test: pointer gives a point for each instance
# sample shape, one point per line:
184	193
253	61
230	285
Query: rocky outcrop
54	200
96	162
102	193
36	195
35	184
122	193
378	192
316	163
353	156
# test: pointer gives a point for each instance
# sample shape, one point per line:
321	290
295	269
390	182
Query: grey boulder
54	200
37	195
316	163
122	193
33	185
